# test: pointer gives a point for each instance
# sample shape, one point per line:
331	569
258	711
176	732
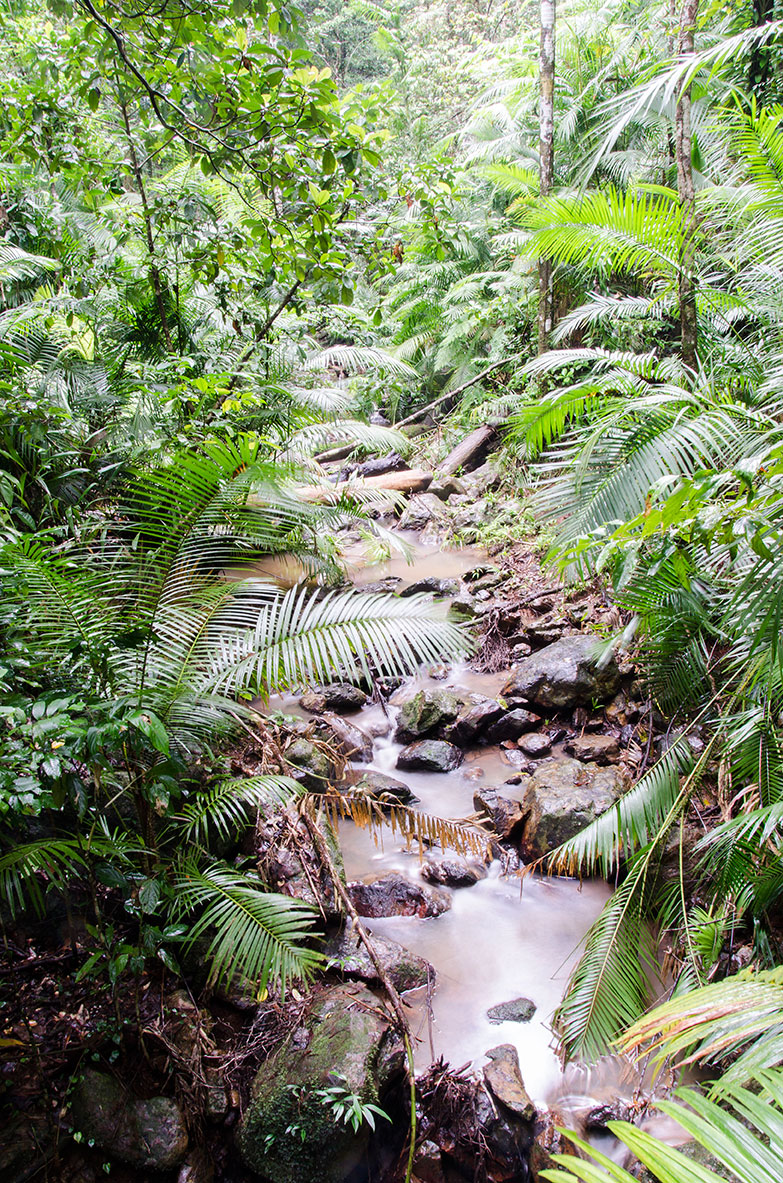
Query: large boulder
474	718
561	798
504	1080
430	755
563	675
453	872
421	510
394	895
432	585
386	790
149	1135
504	814
405	970
309	763
288	1132
512	725
341	697
425	712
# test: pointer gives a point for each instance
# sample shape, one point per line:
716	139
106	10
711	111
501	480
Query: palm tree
162	649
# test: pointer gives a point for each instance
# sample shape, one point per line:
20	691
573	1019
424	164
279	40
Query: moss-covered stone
288	1133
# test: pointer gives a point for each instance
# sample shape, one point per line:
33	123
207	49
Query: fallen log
411	480
471	448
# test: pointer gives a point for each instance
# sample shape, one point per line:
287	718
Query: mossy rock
288	1132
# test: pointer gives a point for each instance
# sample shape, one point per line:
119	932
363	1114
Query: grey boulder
563	675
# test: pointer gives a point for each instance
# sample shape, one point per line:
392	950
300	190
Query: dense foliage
231	232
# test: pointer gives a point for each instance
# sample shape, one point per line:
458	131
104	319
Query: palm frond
251	932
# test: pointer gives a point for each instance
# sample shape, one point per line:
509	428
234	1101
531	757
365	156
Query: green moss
288	1133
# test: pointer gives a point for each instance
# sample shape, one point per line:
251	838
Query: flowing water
502	938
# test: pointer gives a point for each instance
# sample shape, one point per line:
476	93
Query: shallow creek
502	938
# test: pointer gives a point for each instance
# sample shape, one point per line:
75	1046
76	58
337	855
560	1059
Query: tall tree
683	148
546	123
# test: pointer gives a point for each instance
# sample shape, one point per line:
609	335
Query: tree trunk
546	148
683	150
155	276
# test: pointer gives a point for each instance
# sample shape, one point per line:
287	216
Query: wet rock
405	970
383	788
597	749
463	608
482	479
428	1164
444	487
421	510
535	745
381	586
309	763
148	1135
349	739
504	814
474	718
394	895
599	1116
349	1036
431	755
561	798
520	651
512	725
434	586
518	1010
563	675
452	872
341	697
504	1080
427	711
439	672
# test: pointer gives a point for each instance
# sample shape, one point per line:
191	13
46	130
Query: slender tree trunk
689	327
546	147
155	277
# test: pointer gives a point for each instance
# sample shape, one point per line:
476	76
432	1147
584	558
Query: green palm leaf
251	932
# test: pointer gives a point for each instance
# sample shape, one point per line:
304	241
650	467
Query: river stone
561	798
518	1010
504	1080
535	745
349	739
337	696
149	1135
431	755
563	675
394	895
433	586
597	749
384	789
473	719
347	1037
310	764
512	725
422	509
504	814
425	712
452	872
405	970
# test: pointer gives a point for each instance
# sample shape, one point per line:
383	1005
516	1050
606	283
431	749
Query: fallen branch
457	391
